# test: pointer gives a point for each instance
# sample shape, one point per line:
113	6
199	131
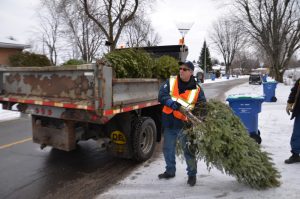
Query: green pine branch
223	142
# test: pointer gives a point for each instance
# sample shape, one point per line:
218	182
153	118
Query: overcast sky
18	19
202	13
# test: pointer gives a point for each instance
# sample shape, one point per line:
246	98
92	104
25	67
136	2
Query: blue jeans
295	139
169	150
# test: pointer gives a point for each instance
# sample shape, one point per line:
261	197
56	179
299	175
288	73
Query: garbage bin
264	78
247	107
269	91
213	77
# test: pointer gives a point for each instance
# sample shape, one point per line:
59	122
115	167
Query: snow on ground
275	127
8	115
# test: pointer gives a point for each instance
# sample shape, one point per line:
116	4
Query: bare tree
153	38
81	30
227	36
139	33
245	61
111	16
274	24
50	24
135	33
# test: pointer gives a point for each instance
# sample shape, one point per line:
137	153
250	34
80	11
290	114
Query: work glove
173	104
289	108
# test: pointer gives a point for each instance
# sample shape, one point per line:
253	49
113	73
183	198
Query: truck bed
87	87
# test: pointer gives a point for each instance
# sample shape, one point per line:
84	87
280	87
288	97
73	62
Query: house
261	71
291	75
9	47
219	68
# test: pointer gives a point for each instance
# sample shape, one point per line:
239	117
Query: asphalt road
26	171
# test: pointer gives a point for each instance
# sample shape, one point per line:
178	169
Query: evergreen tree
206	58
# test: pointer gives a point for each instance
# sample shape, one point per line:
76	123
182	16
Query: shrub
29	59
131	63
73	62
165	66
218	74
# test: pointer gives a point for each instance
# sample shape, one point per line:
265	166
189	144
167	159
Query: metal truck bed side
85	87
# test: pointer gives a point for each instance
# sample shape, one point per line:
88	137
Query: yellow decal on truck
118	137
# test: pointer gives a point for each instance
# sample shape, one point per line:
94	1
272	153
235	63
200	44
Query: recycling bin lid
244	97
270	82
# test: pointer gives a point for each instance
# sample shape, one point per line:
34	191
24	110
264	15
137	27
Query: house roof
218	67
8	43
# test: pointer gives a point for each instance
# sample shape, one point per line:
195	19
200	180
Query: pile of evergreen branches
223	142
136	63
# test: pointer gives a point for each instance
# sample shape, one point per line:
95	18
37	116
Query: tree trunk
277	72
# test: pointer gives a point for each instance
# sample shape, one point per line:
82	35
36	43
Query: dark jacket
168	120
295	98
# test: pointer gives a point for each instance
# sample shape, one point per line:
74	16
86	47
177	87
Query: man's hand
176	106
289	108
173	104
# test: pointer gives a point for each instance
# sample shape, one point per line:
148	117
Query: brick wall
5	53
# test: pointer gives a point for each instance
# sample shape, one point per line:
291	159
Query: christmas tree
223	142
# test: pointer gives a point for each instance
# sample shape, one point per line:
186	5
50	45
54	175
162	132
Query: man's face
185	73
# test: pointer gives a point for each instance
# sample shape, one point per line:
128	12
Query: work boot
192	180
166	175
293	159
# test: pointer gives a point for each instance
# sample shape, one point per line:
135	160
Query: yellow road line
15	143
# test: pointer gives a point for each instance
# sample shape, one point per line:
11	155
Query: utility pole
43	45
205	60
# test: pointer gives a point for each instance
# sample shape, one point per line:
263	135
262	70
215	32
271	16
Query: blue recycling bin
227	76
269	91
247	109
213	77
264	78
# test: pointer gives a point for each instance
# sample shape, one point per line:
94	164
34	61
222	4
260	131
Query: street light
183	28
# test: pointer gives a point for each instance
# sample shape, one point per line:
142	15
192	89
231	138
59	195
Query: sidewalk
275	127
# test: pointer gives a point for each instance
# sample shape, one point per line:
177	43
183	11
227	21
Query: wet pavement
26	171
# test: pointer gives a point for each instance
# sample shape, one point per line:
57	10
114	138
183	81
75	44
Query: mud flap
118	129
61	136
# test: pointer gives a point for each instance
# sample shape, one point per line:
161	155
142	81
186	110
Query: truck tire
144	139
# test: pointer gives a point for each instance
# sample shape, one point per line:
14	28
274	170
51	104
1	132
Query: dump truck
69	104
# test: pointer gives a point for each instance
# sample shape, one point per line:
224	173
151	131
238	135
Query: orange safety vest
187	99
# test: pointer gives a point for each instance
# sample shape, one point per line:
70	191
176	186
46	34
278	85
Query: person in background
181	90
293	105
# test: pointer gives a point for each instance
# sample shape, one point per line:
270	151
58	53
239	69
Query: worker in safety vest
181	90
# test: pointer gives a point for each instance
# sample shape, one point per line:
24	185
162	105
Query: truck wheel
144	139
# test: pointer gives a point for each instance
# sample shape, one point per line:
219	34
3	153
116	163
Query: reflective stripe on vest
192	94
187	99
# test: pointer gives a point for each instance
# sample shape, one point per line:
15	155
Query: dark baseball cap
189	64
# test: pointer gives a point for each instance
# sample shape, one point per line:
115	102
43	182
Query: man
181	90
293	105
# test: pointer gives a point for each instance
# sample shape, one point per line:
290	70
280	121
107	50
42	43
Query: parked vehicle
255	78
198	74
76	103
